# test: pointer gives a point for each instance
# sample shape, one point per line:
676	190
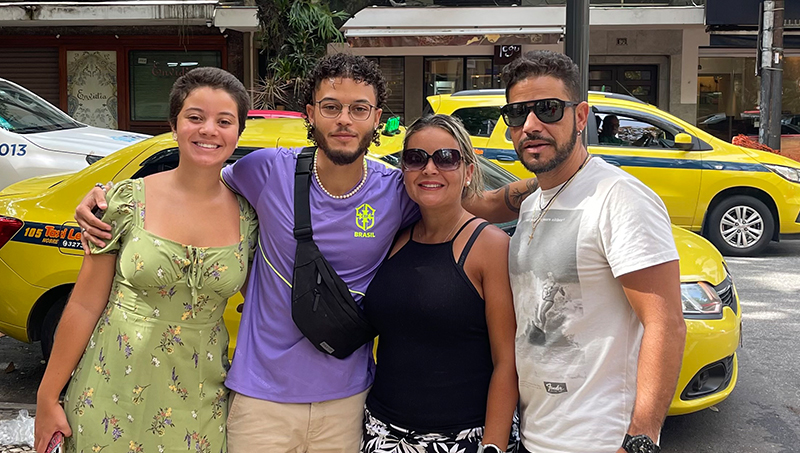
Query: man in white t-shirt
594	270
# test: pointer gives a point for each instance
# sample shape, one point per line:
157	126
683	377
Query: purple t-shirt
273	360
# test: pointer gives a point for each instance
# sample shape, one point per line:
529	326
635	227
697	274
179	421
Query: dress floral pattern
382	437
151	378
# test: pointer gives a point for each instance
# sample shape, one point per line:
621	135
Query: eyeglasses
547	110
358	111
445	159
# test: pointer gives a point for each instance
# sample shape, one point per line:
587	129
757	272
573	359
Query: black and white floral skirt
381	437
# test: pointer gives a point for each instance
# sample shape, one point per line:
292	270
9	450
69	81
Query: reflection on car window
630	131
22	113
167	159
478	121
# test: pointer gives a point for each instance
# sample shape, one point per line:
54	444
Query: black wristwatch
639	444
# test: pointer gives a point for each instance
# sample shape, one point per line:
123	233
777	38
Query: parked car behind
40	255
738	198
38	139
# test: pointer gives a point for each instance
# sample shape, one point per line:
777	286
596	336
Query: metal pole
770	105
576	42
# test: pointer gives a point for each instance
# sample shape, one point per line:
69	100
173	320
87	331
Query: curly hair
348	66
539	63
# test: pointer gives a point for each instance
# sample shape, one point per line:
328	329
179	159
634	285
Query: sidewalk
10	411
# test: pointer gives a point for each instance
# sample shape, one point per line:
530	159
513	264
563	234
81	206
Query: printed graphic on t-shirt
553	302
365	220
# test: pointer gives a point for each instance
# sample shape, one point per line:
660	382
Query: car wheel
740	226
49	325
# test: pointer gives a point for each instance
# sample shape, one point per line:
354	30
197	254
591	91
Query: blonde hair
455	128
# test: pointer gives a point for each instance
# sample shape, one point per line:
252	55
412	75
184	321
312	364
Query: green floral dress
151	378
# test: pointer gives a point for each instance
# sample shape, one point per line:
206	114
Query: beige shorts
334	426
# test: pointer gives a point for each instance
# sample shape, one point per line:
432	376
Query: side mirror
684	141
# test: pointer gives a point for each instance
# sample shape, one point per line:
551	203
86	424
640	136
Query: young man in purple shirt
287	396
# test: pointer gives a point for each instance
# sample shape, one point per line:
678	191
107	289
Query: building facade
111	64
649	49
728	86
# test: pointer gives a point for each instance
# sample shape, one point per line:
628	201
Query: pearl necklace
347	195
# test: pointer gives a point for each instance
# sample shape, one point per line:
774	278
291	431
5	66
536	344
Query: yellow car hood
699	260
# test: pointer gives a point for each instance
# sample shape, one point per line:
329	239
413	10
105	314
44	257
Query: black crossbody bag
322	306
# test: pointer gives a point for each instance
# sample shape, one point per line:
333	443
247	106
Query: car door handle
613	162
502	158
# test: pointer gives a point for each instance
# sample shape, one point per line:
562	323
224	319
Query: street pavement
761	416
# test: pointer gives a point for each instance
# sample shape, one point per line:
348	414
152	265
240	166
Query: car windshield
22	112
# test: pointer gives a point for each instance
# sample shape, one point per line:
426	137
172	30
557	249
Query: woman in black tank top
441	301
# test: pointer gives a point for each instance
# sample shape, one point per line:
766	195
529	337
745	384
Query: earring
468	183
580	133
175	136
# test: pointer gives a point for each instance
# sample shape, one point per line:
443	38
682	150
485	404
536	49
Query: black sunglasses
445	159
547	110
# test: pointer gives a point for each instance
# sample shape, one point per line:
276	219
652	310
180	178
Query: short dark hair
348	66
216	78
539	63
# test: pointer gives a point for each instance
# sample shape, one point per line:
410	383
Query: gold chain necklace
543	211
447	238
348	194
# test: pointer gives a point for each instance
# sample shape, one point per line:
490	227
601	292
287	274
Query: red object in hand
55	443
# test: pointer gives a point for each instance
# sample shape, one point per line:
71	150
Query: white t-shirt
578	338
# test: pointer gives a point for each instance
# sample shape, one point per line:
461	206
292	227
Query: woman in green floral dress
143	329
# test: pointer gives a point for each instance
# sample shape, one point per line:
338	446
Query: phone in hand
98	212
55	445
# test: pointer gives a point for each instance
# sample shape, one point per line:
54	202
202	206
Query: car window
167	159
634	132
478	121
22	113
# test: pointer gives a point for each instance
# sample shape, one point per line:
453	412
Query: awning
129	13
406	26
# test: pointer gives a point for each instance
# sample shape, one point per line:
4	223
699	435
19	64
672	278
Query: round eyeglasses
358	111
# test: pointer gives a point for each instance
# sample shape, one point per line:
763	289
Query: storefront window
480	74
728	97
443	75
393	69
152	74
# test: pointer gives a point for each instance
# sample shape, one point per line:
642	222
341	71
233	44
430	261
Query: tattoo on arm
515	197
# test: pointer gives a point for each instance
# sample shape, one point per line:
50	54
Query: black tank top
434	358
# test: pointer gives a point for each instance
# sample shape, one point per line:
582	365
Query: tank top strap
471	241
462	228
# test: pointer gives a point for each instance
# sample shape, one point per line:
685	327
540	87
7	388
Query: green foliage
294	34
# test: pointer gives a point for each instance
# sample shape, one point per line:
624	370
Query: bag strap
302	184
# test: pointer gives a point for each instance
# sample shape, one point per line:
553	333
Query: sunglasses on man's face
547	110
445	159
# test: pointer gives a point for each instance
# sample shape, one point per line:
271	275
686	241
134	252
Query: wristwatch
489	448
639	444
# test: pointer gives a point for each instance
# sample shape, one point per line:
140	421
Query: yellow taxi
40	256
738	198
